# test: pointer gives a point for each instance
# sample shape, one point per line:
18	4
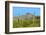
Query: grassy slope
26	23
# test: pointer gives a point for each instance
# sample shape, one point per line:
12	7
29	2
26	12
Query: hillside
27	20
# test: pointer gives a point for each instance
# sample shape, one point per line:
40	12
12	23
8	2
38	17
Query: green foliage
26	23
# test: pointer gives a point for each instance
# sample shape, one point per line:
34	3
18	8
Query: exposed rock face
28	16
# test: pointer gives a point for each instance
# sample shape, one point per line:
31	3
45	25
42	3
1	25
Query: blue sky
19	11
